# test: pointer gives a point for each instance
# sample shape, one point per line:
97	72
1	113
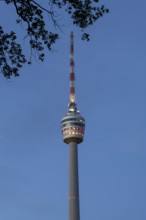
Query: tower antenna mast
72	73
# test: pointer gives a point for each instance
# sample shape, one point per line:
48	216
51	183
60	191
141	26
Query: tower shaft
74	213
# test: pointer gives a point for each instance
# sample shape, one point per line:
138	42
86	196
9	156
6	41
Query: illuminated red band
72	76
71	62
72	90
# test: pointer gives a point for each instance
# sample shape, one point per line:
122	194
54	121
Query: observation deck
73	126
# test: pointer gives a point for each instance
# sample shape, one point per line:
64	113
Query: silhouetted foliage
82	12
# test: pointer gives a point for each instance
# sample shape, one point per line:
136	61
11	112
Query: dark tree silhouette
83	14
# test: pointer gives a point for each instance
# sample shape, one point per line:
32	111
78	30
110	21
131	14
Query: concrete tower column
74	213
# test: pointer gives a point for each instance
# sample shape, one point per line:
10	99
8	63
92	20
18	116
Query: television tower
73	125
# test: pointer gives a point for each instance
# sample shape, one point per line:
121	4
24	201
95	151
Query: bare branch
44	9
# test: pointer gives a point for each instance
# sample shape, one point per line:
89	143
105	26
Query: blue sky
110	90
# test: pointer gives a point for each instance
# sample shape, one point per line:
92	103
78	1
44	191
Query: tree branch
21	14
44	9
